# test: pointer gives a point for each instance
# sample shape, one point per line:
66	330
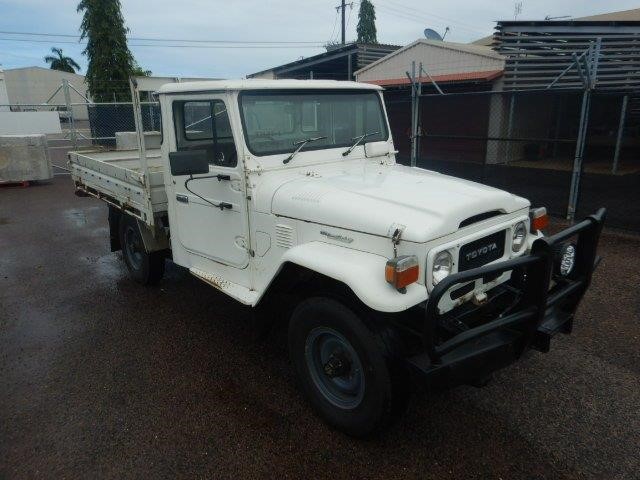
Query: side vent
284	236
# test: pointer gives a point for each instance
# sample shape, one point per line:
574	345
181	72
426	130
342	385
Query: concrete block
24	158
129	140
29	123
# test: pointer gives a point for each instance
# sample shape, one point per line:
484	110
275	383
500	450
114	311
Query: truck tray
116	178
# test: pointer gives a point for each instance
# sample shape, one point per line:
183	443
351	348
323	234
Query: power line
151	39
156	45
333	30
421	16
429	14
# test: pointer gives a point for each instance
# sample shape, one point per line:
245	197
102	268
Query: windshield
277	121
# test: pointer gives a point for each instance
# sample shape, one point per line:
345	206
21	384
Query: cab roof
262	84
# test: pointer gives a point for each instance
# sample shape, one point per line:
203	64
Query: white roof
262	84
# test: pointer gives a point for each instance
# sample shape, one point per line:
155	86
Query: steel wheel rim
133	247
335	367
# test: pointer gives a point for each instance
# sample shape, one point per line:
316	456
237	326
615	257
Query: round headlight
566	259
519	237
442	266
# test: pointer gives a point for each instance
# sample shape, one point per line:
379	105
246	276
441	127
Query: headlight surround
519	237
566	259
442	266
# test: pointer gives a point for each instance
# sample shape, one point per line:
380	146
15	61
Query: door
210	208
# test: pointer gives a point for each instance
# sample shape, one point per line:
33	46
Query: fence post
623	114
69	107
589	81
509	149
414	127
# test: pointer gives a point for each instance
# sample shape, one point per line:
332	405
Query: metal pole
413	114
418	115
435	84
54	93
144	167
589	80
623	114
349	68
69	107
577	162
512	105
343	8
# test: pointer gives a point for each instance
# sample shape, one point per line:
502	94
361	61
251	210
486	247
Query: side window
204	125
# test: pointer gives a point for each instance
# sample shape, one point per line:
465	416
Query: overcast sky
398	22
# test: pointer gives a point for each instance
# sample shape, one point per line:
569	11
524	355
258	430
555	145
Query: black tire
358	404
145	268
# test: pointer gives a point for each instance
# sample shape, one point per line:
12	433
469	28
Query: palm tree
60	62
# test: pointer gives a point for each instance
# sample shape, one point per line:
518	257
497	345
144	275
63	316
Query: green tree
110	61
58	61
367	23
138	71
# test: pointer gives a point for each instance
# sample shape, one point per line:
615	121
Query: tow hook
480	298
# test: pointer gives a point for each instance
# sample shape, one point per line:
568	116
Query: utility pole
343	25
343	6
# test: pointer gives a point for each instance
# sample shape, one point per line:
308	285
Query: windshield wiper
301	144
358	140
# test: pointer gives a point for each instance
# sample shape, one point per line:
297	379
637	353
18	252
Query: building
4	96
34	86
444	62
336	64
455	68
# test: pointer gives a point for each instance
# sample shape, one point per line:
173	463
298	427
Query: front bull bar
541	311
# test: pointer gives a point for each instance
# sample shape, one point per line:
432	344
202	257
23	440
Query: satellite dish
431	34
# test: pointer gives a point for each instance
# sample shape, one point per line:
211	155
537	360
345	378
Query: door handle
182	198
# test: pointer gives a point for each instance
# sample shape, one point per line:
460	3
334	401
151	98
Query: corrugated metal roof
623	15
538	51
365	52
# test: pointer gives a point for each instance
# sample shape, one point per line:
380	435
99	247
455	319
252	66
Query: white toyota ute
286	196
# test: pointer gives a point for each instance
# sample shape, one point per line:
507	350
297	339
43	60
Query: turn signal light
539	219
402	271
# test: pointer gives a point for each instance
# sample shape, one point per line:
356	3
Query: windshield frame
310	91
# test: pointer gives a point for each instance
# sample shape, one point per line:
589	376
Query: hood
372	198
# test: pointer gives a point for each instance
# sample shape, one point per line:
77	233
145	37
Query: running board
238	292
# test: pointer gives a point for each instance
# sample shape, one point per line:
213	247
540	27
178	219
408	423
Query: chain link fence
87	125
525	142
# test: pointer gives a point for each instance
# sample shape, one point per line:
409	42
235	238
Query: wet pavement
103	378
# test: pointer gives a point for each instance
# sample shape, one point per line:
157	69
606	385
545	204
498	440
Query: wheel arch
361	273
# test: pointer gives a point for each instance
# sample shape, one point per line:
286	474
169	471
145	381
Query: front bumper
543	305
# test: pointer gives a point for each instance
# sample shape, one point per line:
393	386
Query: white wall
29	123
36	84
4	96
438	58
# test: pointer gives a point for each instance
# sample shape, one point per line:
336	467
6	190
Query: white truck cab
286	194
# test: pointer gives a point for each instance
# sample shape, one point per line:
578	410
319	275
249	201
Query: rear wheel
341	367
145	268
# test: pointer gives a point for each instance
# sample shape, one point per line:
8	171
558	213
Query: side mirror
189	162
376	149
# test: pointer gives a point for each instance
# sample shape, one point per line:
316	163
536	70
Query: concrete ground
102	378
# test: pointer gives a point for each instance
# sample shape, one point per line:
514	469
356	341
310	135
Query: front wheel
341	367
145	268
